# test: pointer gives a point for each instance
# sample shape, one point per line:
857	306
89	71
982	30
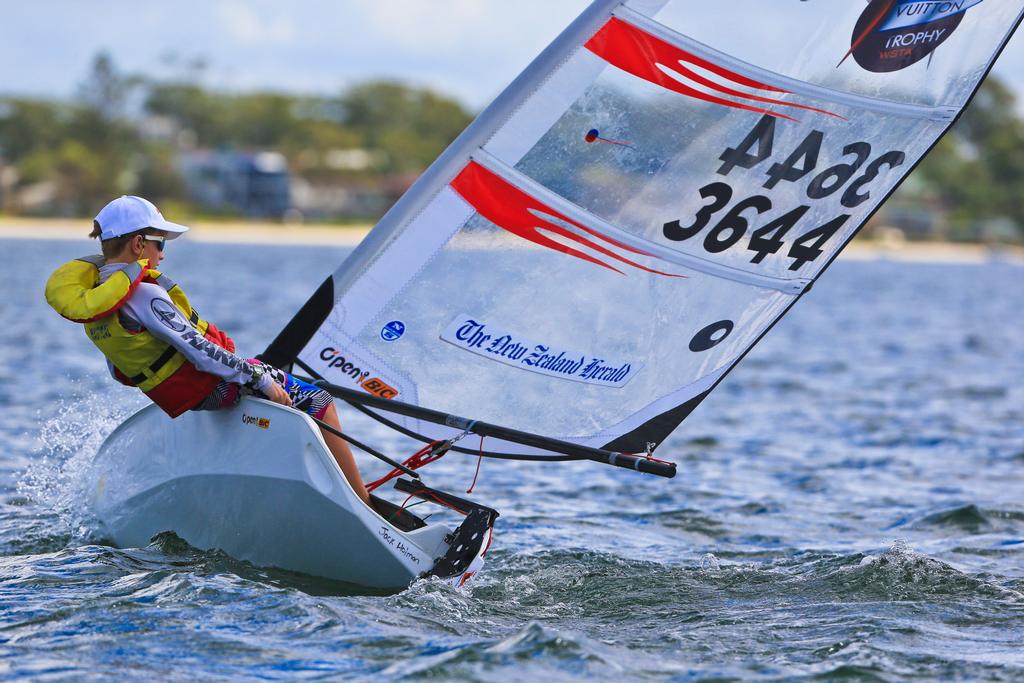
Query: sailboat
573	276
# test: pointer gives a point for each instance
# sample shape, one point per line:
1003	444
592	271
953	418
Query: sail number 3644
757	147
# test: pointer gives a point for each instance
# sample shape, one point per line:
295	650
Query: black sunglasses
154	238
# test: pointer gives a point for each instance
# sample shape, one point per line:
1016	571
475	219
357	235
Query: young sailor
154	340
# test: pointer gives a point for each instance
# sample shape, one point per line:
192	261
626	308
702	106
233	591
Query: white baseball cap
127	213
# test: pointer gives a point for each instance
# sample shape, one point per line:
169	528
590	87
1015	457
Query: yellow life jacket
143	360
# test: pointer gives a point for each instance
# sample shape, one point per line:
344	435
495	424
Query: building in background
332	197
260	185
253	184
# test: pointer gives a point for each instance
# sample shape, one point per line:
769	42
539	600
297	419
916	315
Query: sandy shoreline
351	235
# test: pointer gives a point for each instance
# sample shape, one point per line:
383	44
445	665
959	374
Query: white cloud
265	27
418	26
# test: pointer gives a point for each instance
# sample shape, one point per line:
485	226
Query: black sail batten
290	341
657	428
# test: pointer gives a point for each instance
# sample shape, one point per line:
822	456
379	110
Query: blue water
849	505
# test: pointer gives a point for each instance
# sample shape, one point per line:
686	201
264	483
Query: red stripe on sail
645	56
510	208
867	31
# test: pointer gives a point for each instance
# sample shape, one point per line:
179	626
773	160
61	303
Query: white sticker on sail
470	333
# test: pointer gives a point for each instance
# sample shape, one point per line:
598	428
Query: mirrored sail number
732	227
856	172
758	147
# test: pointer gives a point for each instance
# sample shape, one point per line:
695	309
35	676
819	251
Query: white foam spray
57	480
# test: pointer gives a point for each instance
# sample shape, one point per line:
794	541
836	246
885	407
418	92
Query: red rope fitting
426	455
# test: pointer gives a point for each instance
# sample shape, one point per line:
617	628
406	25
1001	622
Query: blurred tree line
121	134
975	175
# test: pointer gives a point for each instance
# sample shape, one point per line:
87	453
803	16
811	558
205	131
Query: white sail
606	241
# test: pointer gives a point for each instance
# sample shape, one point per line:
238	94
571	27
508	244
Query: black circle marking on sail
711	335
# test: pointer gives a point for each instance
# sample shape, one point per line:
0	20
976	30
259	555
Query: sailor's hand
276	393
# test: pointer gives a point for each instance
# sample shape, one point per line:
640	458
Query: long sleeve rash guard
151	309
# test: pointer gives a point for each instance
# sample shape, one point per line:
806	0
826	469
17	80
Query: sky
469	49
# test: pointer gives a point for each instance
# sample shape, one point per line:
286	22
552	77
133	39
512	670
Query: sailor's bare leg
343	454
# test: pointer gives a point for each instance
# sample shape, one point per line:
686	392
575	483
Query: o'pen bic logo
374	385
393	331
261	422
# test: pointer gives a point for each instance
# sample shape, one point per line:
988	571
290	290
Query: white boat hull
258	482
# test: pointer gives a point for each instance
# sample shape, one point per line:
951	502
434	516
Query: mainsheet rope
478	461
